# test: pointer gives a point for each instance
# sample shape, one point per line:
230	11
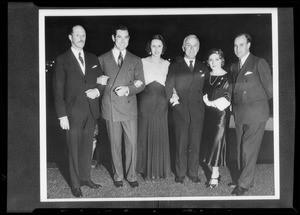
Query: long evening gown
213	144
153	159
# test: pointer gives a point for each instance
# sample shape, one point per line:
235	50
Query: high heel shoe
213	185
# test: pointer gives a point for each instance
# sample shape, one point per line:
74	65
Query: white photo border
165	11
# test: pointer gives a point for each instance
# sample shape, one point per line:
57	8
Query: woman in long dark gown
217	97
153	140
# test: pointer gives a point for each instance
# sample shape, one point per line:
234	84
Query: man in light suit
77	105
124	72
184	89
252	88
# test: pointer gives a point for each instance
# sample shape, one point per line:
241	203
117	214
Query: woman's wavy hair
156	37
218	52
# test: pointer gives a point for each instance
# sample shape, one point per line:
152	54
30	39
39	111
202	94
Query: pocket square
202	75
94	66
248	73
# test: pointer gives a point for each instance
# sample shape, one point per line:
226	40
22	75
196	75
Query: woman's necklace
213	81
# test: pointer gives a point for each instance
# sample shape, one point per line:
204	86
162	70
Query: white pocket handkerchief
94	66
248	73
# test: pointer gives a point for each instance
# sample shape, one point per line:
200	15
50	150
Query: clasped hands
92	93
207	102
64	123
174	100
121	90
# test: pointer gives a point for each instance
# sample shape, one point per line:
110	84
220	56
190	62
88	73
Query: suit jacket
252	87
122	108
70	85
189	89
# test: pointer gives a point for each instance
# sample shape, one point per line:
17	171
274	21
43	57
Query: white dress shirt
243	59
188	61
116	53
76	53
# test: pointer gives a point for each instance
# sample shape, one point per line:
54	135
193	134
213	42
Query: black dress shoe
133	184
118	183
90	184
76	192
231	184
178	180
195	179
239	191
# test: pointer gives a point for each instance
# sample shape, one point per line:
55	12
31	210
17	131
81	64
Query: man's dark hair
248	37
156	37
119	27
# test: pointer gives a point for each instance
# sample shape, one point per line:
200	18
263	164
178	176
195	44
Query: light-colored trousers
115	131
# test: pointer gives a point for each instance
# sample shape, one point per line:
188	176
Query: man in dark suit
77	105
252	87
184	86
124	72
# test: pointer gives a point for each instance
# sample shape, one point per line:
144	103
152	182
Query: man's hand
92	93
64	123
102	80
174	100
121	90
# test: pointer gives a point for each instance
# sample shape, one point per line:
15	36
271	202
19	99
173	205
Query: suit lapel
186	70
247	64
88	65
197	68
127	62
111	62
186	67
75	64
245	67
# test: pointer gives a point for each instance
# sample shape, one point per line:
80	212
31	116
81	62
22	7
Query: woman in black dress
153	140
216	97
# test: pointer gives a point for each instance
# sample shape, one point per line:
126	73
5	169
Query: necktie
120	60
191	66
240	64
81	59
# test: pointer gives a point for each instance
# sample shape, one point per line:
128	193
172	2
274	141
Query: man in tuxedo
252	87
77	105
124	72
184	89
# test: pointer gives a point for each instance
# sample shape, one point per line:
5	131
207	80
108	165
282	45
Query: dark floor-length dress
213	144
153	159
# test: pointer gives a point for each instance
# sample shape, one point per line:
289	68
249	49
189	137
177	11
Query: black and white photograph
158	108
159	129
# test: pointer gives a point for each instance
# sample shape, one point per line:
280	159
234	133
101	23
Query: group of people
136	94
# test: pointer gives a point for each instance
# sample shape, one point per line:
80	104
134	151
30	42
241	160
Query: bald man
77	105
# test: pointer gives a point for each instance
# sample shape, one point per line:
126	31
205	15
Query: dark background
213	31
23	94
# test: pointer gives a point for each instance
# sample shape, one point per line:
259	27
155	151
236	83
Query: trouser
115	131
249	138
80	146
188	137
